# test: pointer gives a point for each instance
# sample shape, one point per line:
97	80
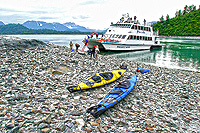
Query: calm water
178	53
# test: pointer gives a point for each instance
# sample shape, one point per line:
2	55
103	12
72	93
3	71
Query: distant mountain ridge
68	26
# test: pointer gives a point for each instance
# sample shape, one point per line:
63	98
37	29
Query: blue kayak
114	96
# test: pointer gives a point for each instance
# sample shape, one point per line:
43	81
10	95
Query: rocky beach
33	95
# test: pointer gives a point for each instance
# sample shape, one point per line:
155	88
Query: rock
15	130
69	125
148	123
61	112
80	123
47	119
60	126
43	125
10	125
76	113
93	123
36	122
45	130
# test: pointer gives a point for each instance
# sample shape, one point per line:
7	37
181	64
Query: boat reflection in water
161	58
147	56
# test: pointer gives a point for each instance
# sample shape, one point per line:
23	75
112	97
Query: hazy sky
96	14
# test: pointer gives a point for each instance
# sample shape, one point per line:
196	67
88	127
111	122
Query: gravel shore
33	95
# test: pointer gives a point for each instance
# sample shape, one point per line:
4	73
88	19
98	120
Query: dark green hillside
184	25
13	29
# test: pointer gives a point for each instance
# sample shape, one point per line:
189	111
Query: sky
94	14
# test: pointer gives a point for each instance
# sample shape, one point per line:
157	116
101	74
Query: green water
178	53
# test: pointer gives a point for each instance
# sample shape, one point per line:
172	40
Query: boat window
110	35
138	38
139	27
142	27
124	36
149	38
149	29
130	37
113	36
116	36
145	38
135	27
132	27
120	36
146	28
134	37
141	38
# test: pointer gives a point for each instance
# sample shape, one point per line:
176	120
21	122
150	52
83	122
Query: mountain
73	26
43	25
184	25
20	29
68	26
1	23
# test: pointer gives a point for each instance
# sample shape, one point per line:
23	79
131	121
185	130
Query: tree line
185	23
187	9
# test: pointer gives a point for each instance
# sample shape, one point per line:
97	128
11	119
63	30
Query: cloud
90	2
14	18
80	17
45	17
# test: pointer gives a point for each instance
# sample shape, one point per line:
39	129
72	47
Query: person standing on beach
93	52
71	45
97	35
77	46
97	51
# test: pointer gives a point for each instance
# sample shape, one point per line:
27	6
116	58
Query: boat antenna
135	18
144	22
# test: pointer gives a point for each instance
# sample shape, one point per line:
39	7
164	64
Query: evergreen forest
185	23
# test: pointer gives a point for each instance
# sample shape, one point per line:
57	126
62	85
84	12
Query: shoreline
34	97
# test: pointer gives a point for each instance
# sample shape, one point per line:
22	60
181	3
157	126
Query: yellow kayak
98	80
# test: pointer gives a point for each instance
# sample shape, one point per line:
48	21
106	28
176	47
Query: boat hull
125	47
118	46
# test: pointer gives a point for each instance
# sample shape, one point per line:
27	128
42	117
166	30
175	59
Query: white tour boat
126	35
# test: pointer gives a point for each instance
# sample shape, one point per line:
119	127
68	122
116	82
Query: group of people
71	46
93	51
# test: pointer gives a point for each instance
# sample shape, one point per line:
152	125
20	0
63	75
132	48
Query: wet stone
43	125
60	126
76	113
69	124
10	125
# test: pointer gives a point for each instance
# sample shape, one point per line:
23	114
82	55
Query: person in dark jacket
93	52
77	46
